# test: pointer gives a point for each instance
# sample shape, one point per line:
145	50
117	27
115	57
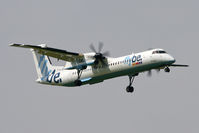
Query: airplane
95	67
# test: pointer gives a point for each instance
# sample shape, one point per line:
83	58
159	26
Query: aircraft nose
171	59
174	60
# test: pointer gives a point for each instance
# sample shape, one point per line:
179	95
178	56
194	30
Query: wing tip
15	45
12	44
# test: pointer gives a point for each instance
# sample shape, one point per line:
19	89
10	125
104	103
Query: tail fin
42	64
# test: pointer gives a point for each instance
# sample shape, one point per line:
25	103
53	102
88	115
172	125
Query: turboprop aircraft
95	67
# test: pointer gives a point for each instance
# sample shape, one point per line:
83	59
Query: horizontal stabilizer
52	52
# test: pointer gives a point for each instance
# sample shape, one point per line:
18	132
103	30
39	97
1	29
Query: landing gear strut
166	69
78	82
130	88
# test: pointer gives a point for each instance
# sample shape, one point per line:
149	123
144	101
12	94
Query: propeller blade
99	57
107	53
92	48
157	70
100	46
149	73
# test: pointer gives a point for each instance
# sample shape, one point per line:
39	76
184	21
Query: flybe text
54	77
133	60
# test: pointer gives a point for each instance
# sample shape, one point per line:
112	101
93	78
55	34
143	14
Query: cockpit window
159	52
162	52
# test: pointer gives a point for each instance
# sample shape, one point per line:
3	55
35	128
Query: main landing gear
78	82
130	88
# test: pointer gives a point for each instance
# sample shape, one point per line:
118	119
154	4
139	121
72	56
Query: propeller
149	74
99	56
157	70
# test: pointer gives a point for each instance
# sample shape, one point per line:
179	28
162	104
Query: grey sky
164	103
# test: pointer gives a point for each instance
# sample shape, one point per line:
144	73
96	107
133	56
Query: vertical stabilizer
42	64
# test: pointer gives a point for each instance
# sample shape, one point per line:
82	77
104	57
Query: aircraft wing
179	65
53	52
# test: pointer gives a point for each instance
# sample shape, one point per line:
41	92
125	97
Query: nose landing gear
167	69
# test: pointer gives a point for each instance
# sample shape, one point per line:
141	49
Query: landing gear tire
78	82
167	70
129	89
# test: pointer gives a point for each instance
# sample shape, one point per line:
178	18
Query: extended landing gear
130	88
78	82
166	69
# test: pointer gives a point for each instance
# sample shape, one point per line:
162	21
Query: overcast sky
160	104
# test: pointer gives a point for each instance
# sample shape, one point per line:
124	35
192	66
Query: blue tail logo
48	74
43	66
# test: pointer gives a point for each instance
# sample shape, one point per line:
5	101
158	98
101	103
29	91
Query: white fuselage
126	65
